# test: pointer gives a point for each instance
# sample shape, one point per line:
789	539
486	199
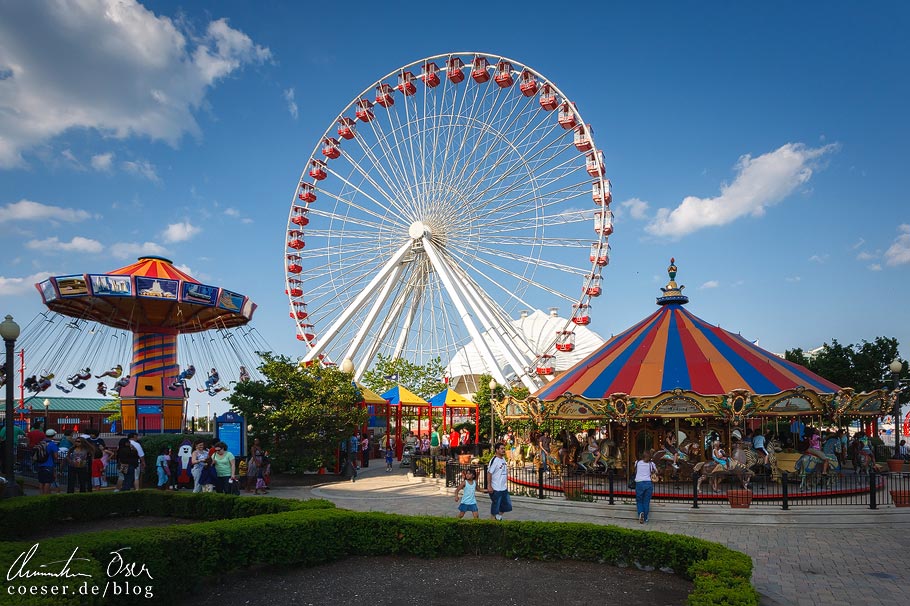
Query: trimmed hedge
310	533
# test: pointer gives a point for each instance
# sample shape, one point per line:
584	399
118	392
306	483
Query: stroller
408	452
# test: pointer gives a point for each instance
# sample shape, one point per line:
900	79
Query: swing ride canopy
150	295
674	364
451	399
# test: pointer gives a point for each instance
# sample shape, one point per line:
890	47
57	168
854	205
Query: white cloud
709	284
899	251
124	250
141	168
864	255
20	286
246	220
71	159
793	279
232	212
180	232
292	105
819	258
142	74
26	210
103	162
859	243
77	244
638	209
760	182
875	267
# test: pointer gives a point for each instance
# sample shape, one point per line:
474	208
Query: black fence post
872	491
695	475
610	473
486	477
540	482
433	462
785	501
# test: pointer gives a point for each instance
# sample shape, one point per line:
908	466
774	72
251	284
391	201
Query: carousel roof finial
672	292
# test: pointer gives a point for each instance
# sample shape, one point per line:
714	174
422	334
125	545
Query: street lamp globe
896	366
9	330
347	366
492	384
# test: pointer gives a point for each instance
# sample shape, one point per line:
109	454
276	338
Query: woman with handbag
644	485
127	462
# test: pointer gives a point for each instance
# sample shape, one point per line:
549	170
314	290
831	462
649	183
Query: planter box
900	498
739	499
896	465
572	489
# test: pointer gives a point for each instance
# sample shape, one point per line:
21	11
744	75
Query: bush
313	532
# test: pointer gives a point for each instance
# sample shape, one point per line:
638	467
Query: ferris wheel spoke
369	179
392	147
392	182
528	281
505	254
317	212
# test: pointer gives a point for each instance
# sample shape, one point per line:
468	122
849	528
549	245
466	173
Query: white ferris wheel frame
477	311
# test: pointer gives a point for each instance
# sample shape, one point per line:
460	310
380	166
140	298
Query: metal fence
26	467
790	490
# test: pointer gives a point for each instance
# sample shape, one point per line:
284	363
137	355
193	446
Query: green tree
424	380
301	412
835	363
483	396
112	407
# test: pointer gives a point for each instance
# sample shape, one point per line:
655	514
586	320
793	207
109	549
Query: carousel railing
785	490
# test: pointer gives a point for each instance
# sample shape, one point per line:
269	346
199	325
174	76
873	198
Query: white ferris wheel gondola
435	206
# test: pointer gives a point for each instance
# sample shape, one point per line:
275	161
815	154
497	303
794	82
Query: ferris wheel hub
418	230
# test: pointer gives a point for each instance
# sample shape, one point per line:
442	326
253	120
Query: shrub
313	532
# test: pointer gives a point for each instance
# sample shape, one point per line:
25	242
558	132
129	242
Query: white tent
539	330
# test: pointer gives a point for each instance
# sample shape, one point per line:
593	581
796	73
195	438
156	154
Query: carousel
682	387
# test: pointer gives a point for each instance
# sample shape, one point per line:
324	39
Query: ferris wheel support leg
358	302
519	363
449	284
406	325
378	304
387	324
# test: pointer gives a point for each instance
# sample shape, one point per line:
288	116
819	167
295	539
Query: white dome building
538	328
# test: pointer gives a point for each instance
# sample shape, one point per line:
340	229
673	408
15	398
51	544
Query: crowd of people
70	460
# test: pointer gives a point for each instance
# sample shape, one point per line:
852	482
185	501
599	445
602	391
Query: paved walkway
809	557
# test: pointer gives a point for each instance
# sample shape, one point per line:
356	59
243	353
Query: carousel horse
753	459
80	377
663	459
603	459
120	384
101	388
62	388
809	467
113	373
549	460
716	471
184	376
862	456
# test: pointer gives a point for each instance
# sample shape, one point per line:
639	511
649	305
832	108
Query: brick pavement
810	557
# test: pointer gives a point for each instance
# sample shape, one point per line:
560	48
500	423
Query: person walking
468	500
45	461
79	466
644	487
499	483
198	460
127	464
224	468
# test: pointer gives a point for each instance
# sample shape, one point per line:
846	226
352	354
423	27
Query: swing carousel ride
138	313
441	201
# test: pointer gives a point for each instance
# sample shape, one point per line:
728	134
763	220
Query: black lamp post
493	387
895	367
9	330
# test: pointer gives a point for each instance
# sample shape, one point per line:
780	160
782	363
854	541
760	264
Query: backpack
77	459
40	455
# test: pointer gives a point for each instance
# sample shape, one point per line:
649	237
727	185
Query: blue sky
762	145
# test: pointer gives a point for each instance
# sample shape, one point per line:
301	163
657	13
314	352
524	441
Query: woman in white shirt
644	488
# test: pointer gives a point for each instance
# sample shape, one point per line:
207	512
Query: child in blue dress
468	500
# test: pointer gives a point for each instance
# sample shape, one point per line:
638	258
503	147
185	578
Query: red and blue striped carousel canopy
672	349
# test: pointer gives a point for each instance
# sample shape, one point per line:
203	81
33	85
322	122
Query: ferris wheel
446	197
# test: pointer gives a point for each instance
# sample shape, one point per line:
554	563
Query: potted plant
895	465
739	499
464	459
